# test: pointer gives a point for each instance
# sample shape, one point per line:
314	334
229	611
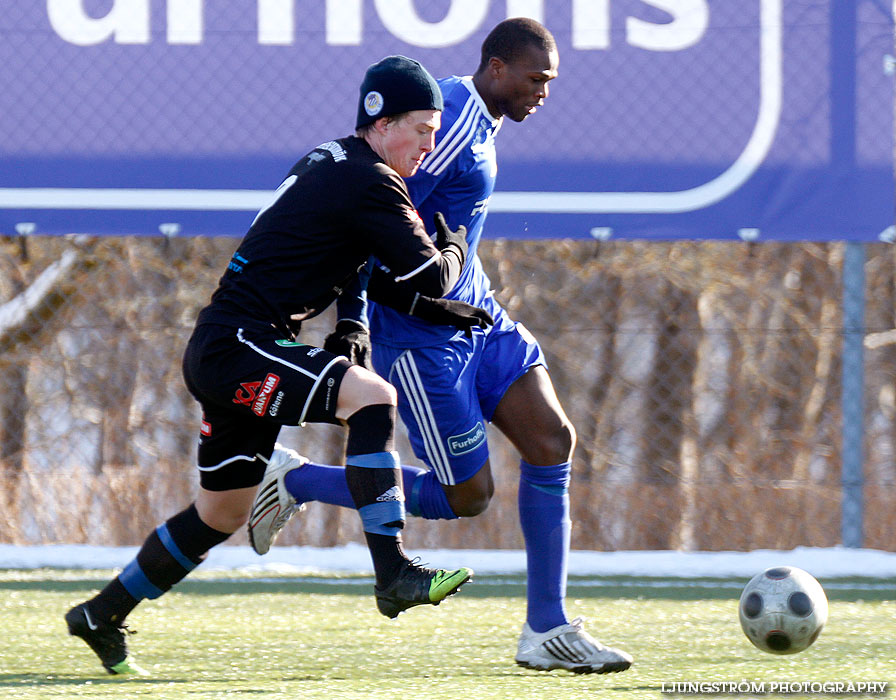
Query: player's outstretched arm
452	312
426	266
351	336
452	246
446	238
383	289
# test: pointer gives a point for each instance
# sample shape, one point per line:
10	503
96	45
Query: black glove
446	237
451	312
352	340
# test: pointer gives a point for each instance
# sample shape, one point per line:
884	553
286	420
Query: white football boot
274	505
568	647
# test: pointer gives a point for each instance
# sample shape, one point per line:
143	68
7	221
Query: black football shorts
249	384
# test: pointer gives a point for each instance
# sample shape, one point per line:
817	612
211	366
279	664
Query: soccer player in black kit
342	203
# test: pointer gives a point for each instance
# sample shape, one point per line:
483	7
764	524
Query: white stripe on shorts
227	461
301	370
409	379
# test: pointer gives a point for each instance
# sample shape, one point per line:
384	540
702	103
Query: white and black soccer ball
783	610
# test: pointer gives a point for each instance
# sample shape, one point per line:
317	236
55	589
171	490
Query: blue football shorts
447	393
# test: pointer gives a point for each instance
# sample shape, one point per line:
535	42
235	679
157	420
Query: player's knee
361	388
224	517
230	521
381	392
552	446
472	501
471	507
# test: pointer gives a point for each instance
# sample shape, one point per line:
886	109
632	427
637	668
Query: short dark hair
510	38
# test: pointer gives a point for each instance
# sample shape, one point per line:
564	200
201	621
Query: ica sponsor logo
257	395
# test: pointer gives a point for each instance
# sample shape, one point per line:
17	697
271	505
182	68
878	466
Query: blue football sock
544	518
425	496
319	482
322	482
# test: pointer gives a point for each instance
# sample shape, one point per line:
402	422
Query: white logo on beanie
373	103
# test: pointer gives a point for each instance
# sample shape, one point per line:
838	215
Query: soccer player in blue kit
451	383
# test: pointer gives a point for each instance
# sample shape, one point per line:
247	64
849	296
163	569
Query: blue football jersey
457	179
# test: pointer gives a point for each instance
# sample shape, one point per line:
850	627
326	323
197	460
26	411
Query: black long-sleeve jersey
338	205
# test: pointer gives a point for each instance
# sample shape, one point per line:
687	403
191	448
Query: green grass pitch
272	638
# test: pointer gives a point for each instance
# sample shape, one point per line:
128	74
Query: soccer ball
783	610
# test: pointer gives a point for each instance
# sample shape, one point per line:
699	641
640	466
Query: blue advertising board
670	119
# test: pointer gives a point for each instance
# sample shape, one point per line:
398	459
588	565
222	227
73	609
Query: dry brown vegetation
703	380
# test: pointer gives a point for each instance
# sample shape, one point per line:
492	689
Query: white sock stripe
426	423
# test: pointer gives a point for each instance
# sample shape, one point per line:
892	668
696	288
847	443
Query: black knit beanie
395	85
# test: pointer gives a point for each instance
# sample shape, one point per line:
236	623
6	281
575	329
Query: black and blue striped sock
171	551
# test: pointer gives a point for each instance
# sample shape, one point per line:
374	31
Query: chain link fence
703	380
